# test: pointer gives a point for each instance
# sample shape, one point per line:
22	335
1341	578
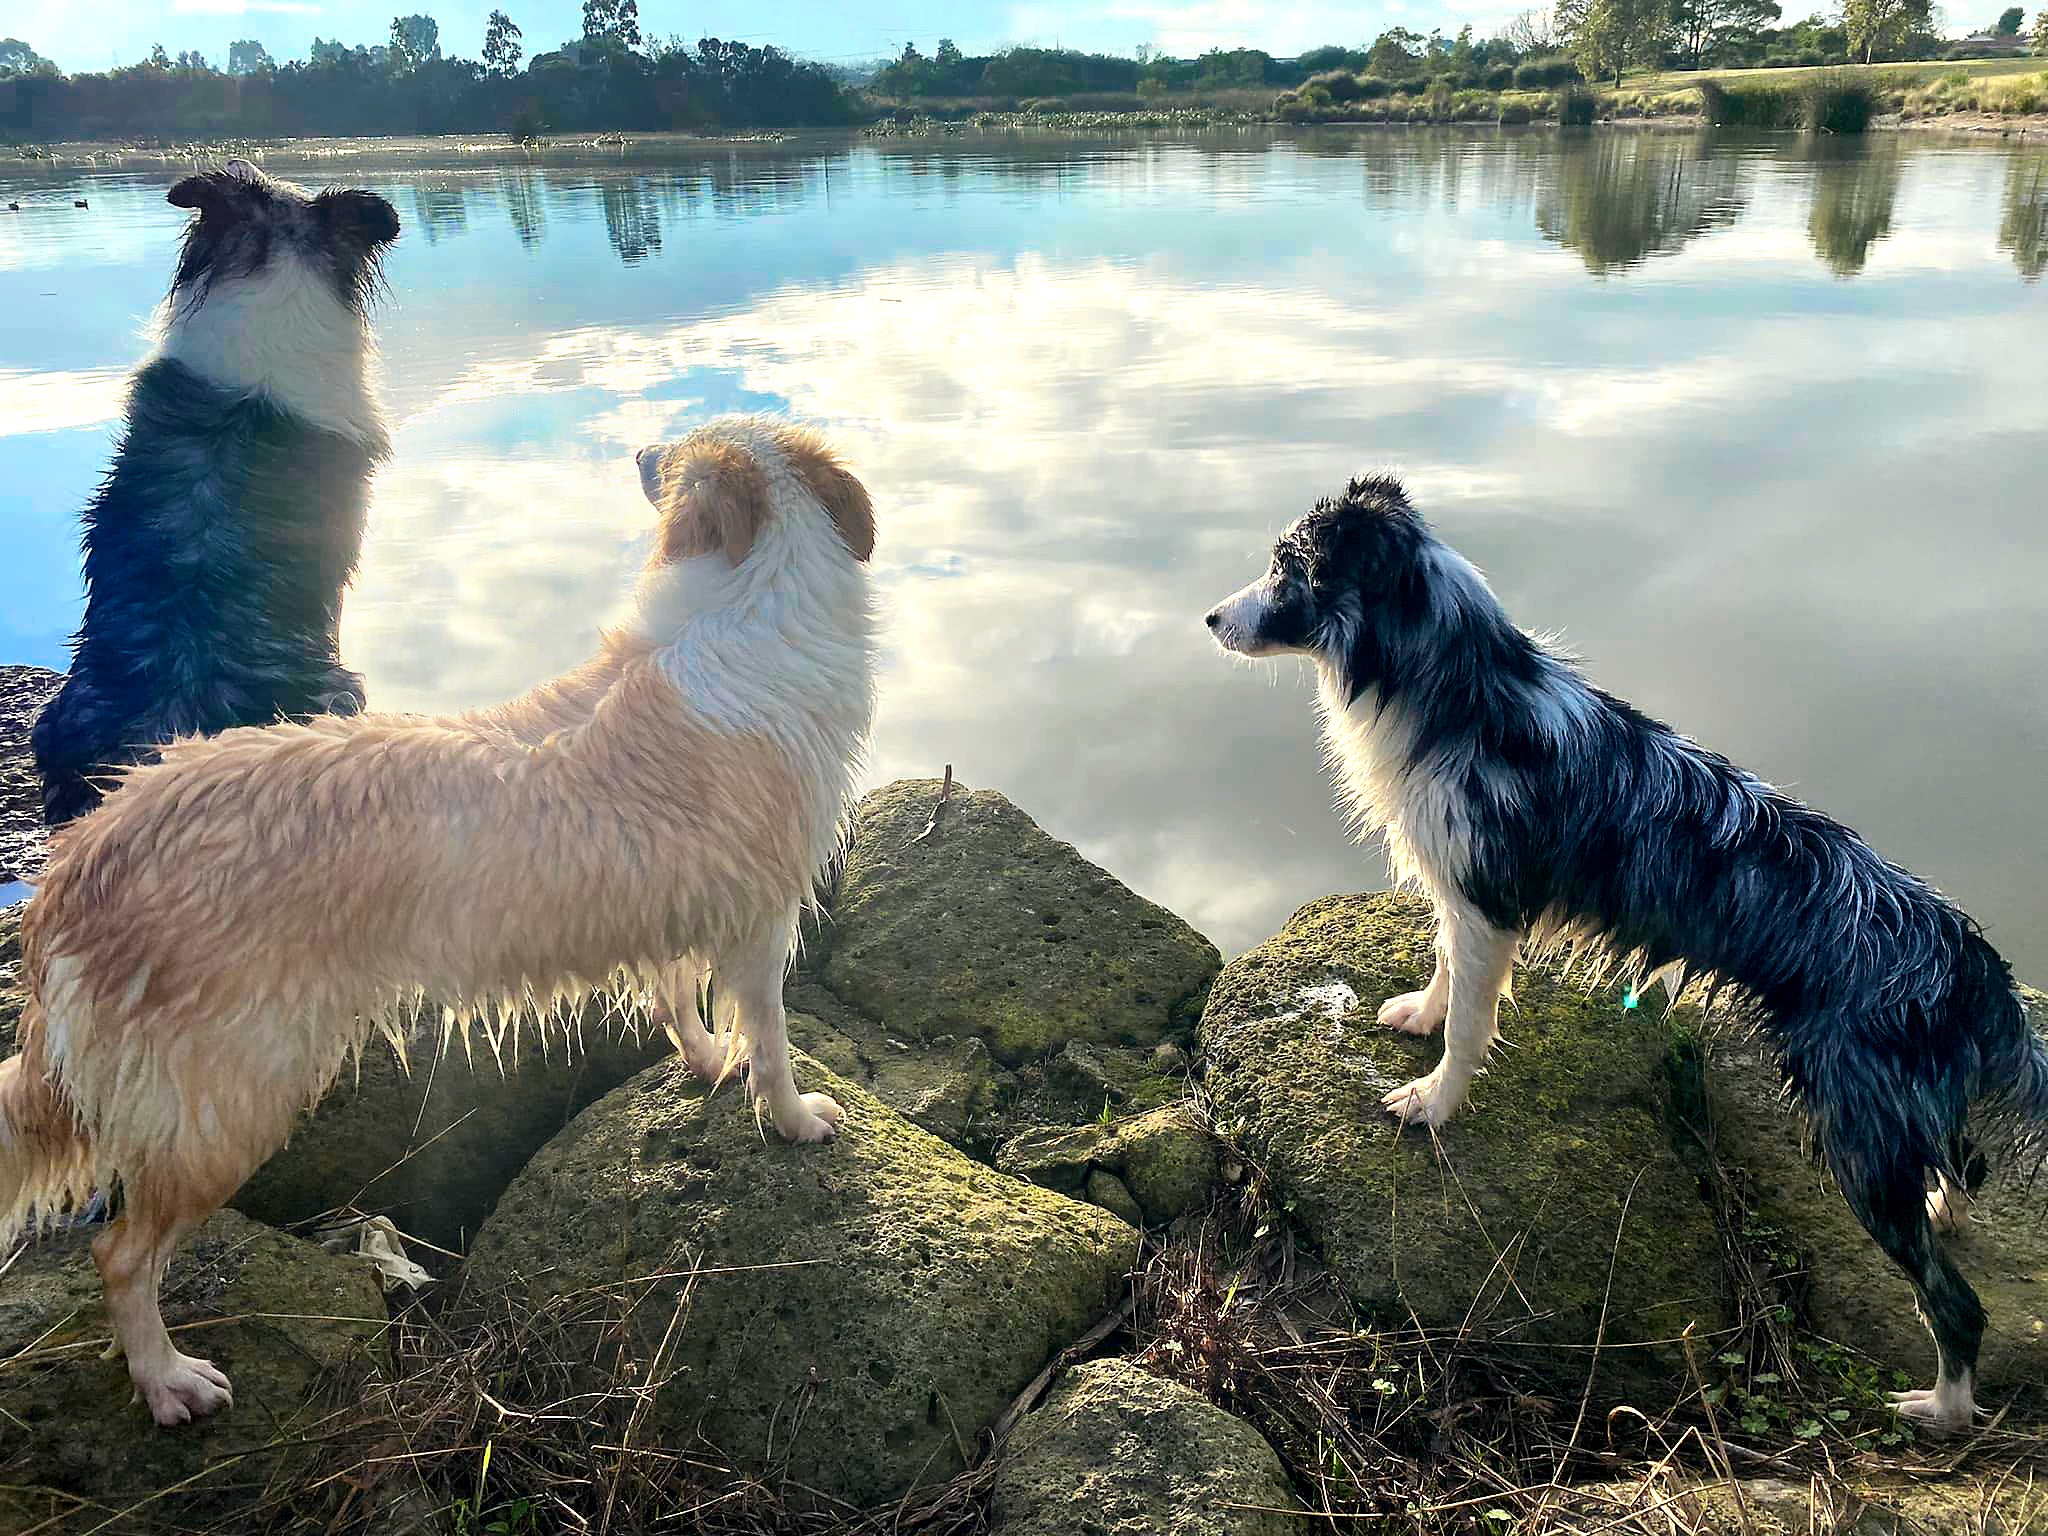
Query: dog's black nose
1215	617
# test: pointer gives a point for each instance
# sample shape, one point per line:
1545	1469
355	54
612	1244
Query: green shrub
1498	78
1337	84
1810	58
1374	87
1747	104
1834	101
1514	113
1418	114
1538	74
1576	108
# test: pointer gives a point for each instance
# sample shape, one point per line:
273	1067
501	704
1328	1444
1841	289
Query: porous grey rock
1117	1451
1553	1199
301	1326
989	927
1164	1158
884	1290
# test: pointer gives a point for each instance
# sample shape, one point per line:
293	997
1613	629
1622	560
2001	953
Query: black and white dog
218	546
1526	802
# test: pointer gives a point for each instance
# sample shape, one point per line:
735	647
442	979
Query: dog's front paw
818	1118
1935	1411
185	1390
1413	1013
1422	1102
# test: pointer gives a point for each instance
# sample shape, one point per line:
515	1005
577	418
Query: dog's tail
45	1158
2015	1052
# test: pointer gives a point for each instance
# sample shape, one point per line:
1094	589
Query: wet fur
1531	805
209	947
219	545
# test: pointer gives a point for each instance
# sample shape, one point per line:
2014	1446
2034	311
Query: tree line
1538	49
609	78
615	77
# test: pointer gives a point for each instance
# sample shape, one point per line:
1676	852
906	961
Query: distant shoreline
455	150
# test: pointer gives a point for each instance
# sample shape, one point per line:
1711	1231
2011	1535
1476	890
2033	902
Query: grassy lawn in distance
1892	76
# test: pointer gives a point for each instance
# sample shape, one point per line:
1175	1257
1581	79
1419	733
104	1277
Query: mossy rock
989	927
1849	1291
918	1290
13	993
1117	1451
23	692
305	1327
1560	1162
1165	1158
433	1148
949	1086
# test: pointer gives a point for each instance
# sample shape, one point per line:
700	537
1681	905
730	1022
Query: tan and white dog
209	948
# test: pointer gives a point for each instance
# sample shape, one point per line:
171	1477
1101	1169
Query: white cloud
58	401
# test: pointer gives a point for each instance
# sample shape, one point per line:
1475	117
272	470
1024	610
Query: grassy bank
1826	101
1840	99
1956	90
1316	103
1893	77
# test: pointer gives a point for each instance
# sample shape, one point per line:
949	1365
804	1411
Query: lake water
1760	426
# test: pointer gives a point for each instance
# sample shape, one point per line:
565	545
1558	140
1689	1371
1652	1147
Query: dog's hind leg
1948	1205
1481	956
132	1255
1422	1013
676	1010
1885	1188
753	975
1949	1202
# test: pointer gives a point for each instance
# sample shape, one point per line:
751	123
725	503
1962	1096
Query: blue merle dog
1526	802
218	547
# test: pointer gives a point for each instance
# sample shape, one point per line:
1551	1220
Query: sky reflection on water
1755	423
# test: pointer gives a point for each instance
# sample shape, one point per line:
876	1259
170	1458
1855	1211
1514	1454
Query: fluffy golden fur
209	948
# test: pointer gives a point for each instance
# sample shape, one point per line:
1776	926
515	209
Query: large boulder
434	1147
301	1324
23	692
989	927
1848	1290
13	992
1117	1451
1553	1210
1164	1159
884	1290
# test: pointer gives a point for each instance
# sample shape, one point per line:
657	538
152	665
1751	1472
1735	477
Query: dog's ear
843	497
714	500
211	192
361	216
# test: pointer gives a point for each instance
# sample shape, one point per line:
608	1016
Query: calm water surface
1760	426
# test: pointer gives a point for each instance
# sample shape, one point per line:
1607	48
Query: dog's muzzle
1236	621
648	462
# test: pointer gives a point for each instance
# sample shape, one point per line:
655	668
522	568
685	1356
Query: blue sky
80	36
